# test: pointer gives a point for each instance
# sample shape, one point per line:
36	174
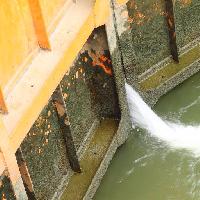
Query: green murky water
144	168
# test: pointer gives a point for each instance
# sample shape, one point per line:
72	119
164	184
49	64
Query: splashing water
175	135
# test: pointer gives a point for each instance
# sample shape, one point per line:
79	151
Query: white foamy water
176	135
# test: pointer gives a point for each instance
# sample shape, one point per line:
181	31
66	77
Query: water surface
146	168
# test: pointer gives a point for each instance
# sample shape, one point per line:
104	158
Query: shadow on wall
6	191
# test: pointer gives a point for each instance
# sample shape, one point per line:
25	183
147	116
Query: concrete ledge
152	96
120	137
46	70
91	160
166	72
81	150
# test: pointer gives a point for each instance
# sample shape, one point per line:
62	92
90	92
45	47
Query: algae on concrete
171	69
94	154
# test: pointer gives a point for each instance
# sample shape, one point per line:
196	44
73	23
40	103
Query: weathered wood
11	164
171	29
65	129
118	38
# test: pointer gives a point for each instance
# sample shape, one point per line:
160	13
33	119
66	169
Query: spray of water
176	135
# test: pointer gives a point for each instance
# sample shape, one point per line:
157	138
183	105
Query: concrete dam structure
63	68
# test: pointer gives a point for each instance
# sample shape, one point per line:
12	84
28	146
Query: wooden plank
39	24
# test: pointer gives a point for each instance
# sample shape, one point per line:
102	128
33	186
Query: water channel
146	168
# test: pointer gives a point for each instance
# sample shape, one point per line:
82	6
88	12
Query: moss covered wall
45	153
145	31
187	16
138	39
6	191
148	31
89	94
89	88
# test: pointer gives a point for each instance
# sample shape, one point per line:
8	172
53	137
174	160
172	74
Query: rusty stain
102	61
171	29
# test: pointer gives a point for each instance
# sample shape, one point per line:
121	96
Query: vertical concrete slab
187	21
45	154
149	32
114	31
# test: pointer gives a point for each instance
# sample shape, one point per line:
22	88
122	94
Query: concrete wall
138	39
187	21
45	153
139	48
89	93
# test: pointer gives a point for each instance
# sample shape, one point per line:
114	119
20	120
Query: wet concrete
94	154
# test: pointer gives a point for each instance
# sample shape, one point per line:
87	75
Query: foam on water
176	135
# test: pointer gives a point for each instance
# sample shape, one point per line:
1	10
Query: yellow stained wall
50	8
16	37
101	17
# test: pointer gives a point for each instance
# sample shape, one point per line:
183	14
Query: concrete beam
46	70
11	164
